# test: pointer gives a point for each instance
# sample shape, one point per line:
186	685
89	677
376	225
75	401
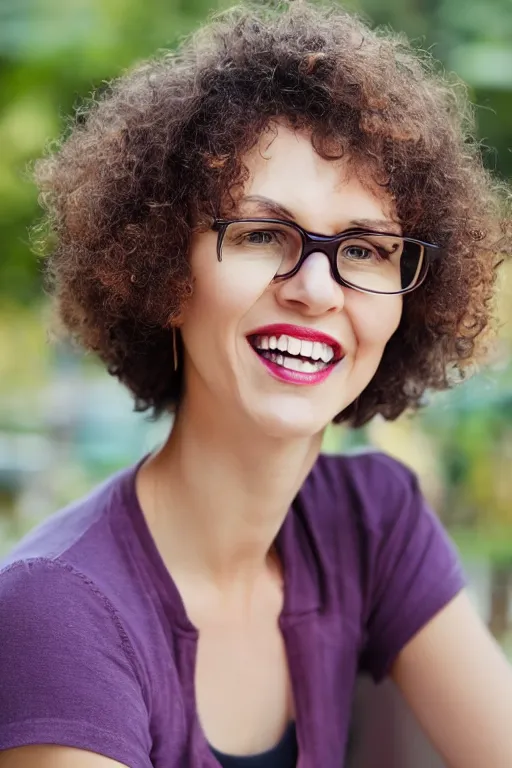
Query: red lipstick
298	332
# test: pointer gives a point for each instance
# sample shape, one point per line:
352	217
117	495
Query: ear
177	319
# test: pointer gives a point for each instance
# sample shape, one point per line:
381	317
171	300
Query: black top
283	755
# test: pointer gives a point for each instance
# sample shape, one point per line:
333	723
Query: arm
49	756
459	685
68	677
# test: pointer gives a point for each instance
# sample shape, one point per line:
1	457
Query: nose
313	290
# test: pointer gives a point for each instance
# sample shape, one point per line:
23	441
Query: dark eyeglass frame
329	245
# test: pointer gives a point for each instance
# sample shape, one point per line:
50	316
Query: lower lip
294	377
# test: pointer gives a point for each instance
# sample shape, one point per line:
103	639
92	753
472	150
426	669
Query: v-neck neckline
301	580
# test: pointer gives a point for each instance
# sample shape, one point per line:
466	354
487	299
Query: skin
232	299
252	440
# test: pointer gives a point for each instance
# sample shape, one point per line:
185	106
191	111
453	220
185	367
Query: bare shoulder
459	685
54	756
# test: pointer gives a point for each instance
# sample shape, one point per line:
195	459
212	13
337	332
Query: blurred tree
52	55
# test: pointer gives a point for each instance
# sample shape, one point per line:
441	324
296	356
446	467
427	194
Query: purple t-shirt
97	651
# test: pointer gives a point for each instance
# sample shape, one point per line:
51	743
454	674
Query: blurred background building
65	424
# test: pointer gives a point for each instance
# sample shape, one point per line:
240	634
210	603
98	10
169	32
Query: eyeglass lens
382	263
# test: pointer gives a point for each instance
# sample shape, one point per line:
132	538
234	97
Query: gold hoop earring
174	349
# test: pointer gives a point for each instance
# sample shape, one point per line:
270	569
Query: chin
291	420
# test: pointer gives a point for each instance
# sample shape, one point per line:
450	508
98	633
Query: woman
282	225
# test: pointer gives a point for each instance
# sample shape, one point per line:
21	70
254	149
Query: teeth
304	366
316	354
327	353
308	367
292	346
291	363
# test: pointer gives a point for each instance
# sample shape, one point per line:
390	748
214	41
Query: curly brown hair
156	155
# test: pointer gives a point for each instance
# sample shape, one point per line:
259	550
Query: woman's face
236	308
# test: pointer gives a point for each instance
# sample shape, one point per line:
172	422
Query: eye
359	253
261	237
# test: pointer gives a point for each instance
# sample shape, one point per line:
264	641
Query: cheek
374	320
224	291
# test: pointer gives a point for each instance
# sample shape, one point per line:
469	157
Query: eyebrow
279	211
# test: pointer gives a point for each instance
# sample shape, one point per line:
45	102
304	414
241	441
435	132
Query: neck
216	498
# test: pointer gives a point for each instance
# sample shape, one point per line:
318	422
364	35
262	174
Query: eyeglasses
370	262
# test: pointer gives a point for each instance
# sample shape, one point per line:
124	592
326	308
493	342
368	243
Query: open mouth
300	355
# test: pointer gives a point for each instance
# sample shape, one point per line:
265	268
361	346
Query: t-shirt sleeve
412	567
67	673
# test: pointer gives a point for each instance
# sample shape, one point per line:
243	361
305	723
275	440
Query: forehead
323	195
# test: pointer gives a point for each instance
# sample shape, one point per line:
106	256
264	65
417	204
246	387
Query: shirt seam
126	645
90	728
416	621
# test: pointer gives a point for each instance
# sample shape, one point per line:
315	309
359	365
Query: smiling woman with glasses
283	224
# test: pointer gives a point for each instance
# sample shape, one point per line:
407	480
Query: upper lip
300	332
